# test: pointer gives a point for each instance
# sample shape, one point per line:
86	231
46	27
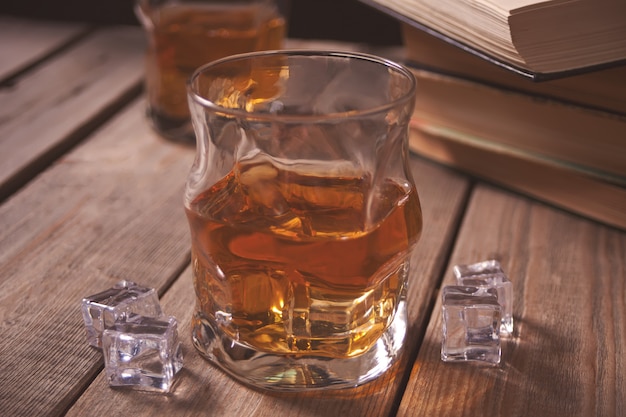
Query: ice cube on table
471	324
489	274
490	266
143	353
104	309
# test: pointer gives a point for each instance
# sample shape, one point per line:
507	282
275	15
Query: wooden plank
51	108
204	389
24	42
567	356
112	210
109	210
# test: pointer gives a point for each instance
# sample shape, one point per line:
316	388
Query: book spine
590	139
561	186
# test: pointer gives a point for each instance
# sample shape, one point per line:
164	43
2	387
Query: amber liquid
185	37
286	262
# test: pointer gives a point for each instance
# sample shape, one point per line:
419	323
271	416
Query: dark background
348	20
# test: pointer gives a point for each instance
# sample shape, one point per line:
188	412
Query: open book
546	37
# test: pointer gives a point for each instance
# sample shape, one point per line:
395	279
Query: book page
473	22
516	6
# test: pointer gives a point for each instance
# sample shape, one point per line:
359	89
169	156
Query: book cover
603	90
552	182
579	136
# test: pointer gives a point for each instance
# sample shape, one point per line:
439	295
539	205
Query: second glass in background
185	34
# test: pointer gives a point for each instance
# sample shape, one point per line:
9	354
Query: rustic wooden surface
46	111
566	356
24	43
94	196
443	195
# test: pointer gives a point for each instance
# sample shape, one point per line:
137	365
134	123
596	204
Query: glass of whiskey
303	215
185	34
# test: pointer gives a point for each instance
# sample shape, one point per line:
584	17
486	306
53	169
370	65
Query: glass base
280	372
174	129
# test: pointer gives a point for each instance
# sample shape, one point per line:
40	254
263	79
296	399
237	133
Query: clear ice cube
143	353
490	266
489	274
471	324
102	310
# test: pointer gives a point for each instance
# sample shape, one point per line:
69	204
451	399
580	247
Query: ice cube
471	324
103	309
489	274
143	353
490	266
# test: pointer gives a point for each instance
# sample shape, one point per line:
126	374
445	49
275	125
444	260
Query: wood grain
54	106
24	42
567	356
203	389
110	210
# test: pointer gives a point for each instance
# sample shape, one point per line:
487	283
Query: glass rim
408	95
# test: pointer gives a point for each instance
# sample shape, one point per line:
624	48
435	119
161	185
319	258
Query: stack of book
530	94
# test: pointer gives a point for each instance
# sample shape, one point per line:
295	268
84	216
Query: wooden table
90	196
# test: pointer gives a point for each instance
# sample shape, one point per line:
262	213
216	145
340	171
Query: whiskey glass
185	34
303	214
